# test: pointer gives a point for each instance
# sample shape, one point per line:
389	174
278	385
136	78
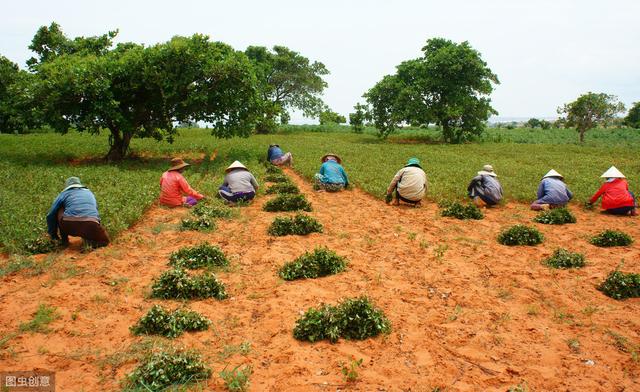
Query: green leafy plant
43	316
159	321
321	262
283	187
563	258
350	371
211	211
40	244
287	202
198	223
458	210
276	178
520	235
177	284
203	255
353	318
556	216
610	238
237	379
160	370
300	224
272	169
619	285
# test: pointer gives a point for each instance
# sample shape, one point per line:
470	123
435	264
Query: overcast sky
545	52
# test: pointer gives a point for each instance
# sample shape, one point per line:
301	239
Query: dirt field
467	313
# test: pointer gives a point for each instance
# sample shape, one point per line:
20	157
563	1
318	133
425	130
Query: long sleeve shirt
173	186
240	181
411	182
487	187
553	191
614	194
333	173
274	153
77	203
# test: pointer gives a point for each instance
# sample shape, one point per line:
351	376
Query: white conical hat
236	165
613	172
553	173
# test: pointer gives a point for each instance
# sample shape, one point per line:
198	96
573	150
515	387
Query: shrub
460	211
355	318
563	258
41	244
198	223
286	202
273	169
283	187
610	238
520	235
177	284
211	211
619	285
159	321
556	216
321	262
160	370
203	255
300	224
276	178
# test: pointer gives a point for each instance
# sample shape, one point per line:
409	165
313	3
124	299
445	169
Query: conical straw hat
553	173
613	172
236	165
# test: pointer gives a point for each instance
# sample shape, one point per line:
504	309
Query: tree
18	110
330	117
357	118
287	80
590	110
633	117
136	91
533	123
544	124
448	86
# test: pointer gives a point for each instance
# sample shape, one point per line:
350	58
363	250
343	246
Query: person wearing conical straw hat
616	197
175	191
75	213
552	192
277	157
331	177
485	189
239	184
409	184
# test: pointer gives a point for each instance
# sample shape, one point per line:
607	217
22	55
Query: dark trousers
405	200
92	232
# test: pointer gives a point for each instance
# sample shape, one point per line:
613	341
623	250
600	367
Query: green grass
33	167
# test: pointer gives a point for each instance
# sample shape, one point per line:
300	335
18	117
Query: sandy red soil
467	313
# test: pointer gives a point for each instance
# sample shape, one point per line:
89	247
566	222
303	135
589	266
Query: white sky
545	52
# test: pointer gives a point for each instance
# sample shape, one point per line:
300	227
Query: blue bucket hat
413	162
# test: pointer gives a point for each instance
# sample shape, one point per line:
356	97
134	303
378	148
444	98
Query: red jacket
172	186
614	194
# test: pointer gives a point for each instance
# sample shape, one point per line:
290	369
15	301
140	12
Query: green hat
72	182
413	161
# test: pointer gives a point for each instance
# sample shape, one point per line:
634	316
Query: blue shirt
77	202
274	153
553	191
333	173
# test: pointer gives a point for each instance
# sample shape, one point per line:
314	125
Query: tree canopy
328	116
448	86
590	110
633	117
286	80
136	91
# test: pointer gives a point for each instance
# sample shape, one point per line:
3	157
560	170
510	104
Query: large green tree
358	117
18	109
328	116
633	117
590	110
136	91
287	81
448	86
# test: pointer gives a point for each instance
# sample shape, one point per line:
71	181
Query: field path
467	313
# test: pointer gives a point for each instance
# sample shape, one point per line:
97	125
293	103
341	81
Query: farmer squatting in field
75	213
485	189
552	192
331	177
277	157
239	184
616	197
173	186
409	184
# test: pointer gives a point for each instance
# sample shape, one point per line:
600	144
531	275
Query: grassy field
33	167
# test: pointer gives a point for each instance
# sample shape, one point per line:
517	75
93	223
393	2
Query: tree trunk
581	135
119	145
